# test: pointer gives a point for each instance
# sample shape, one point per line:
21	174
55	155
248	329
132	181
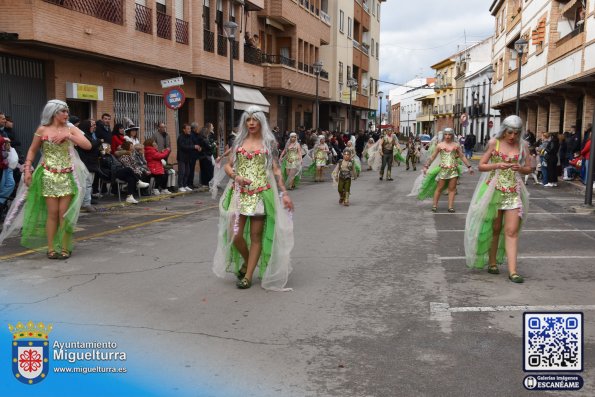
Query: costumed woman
350	146
49	198
446	173
500	202
291	162
368	152
320	155
255	226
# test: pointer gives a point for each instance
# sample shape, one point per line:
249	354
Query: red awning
386	126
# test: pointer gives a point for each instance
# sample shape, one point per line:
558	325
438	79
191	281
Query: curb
108	206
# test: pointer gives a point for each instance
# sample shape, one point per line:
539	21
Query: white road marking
458	258
437	307
528	230
530	213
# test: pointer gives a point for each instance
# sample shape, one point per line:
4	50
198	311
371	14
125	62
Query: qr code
553	341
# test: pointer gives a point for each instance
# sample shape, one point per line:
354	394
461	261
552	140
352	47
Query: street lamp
520	46
317	69
230	28
380	94
489	75
351	83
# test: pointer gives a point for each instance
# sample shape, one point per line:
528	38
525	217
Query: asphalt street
382	302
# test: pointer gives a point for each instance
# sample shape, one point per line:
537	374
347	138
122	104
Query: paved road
382	305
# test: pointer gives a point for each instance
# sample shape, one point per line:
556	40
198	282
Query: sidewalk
109	201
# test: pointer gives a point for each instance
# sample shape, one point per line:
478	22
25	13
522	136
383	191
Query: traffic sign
490	123
176	81
174	98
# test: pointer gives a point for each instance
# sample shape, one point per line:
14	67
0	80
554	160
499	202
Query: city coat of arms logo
30	351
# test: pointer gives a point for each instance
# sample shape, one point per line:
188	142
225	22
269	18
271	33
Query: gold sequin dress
293	157
448	164
506	182
57	179
252	166
321	156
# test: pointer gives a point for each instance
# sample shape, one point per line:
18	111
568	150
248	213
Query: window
160	6
349	27
373	7
340	72
377	50
378	11
349	76
206	15
126	106
180	9
372	47
154	113
341	21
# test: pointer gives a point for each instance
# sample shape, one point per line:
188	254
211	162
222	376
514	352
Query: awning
244	97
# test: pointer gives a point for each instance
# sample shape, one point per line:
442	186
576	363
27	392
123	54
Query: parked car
425	140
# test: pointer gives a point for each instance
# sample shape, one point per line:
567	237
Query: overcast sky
417	34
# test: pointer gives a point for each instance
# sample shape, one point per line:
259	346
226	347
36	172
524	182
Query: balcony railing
364	91
365	49
208	41
111	11
356	44
324	17
221	45
279	60
182	31
144	19
163	25
252	55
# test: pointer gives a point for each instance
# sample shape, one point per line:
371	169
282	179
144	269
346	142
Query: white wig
513	123
51	109
292	134
268	139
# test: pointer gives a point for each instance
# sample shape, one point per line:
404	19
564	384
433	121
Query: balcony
208	41
252	55
182	33
326	18
279	60
287	80
112	11
144	19
221	45
163	26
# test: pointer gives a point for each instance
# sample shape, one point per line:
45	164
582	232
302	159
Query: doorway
80	109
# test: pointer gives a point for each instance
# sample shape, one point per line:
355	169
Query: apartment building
409	107
111	56
352	60
557	69
445	90
473	66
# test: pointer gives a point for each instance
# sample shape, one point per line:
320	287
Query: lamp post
520	47
351	83
317	69
489	74
408	127
380	95
230	28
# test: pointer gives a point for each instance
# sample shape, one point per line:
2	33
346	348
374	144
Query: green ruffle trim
310	171
268	236
398	157
35	217
429	184
296	180
358	167
485	235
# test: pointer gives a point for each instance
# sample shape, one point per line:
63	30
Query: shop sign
88	92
